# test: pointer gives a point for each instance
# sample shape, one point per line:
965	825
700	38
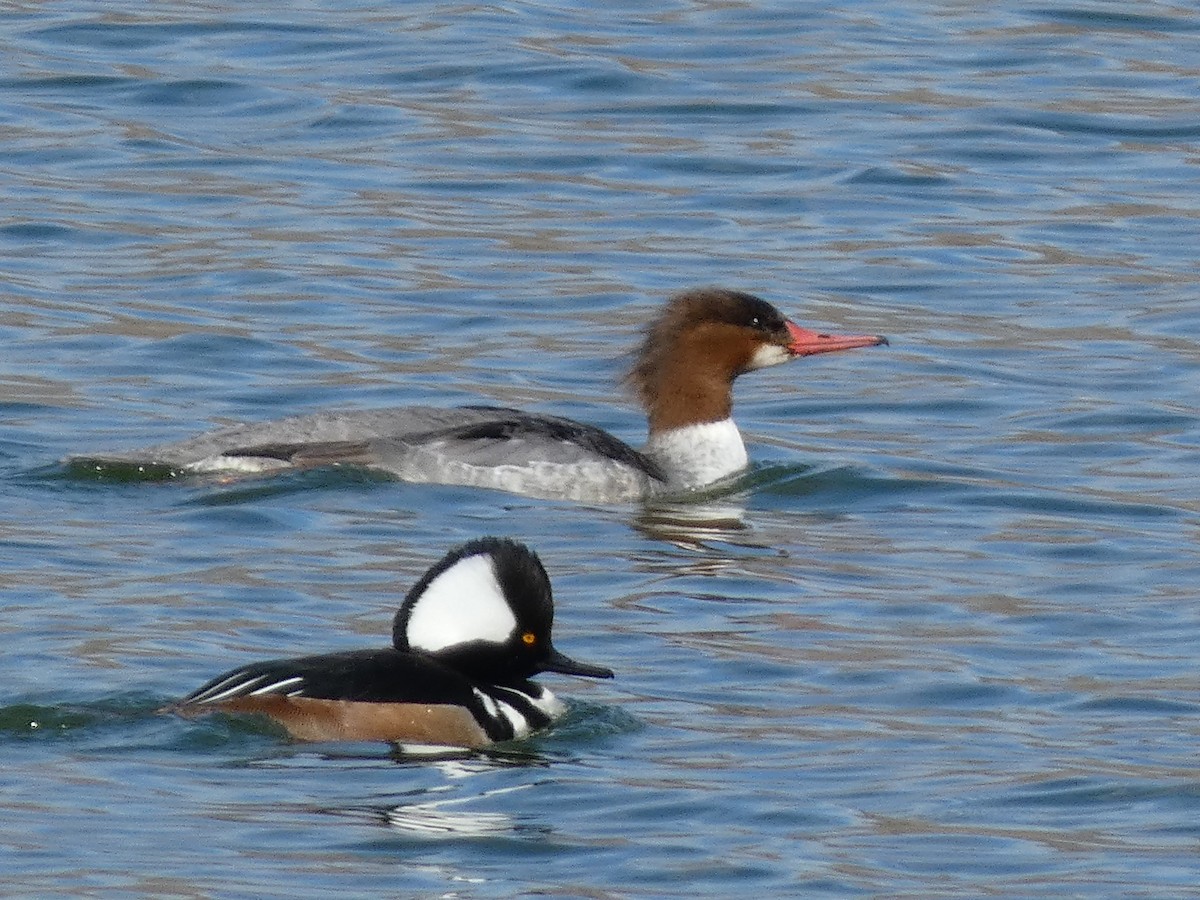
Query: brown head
704	339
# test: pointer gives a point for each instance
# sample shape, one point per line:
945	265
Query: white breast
696	455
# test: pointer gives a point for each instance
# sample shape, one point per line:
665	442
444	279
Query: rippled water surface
942	641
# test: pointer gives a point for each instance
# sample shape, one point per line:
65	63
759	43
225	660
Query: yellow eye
529	639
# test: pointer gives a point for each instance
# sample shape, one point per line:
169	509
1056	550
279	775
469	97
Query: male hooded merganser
466	641
683	375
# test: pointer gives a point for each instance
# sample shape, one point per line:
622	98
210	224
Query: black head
486	609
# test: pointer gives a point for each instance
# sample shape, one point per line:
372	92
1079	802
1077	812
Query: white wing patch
246	465
464	603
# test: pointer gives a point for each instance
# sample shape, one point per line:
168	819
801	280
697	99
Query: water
942	643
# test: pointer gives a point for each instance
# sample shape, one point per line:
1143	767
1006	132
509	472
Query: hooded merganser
683	376
466	641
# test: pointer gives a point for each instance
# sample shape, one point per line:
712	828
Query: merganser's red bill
809	343
682	375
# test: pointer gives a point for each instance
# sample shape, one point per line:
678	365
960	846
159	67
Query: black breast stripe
379	676
521	701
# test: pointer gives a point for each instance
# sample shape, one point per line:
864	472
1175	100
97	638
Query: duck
466	642
682	375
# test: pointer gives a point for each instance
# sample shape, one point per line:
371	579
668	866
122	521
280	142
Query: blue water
942	642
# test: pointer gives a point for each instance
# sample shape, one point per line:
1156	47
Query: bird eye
529	639
756	322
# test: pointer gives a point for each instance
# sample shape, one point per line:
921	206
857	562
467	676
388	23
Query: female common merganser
683	375
466	641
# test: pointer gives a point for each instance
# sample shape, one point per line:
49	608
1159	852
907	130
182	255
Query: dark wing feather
311	455
506	425
512	423
370	676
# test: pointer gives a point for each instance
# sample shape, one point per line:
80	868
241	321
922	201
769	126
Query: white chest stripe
498	709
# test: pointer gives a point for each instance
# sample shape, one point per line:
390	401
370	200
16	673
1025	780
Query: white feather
464	603
697	455
768	355
276	687
489	705
234	686
520	725
544	701
246	465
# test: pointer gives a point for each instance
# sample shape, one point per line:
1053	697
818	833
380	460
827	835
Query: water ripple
940	639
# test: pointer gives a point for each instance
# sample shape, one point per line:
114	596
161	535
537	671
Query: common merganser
466	641
683	375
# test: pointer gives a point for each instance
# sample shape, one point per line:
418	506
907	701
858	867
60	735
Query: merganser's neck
684	370
689	408
685	377
693	456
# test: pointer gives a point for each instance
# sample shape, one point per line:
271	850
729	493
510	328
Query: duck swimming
682	375
465	643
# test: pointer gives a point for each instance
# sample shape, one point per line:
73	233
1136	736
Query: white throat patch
768	355
464	603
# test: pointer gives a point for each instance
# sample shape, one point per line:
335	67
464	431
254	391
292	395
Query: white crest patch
464	603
